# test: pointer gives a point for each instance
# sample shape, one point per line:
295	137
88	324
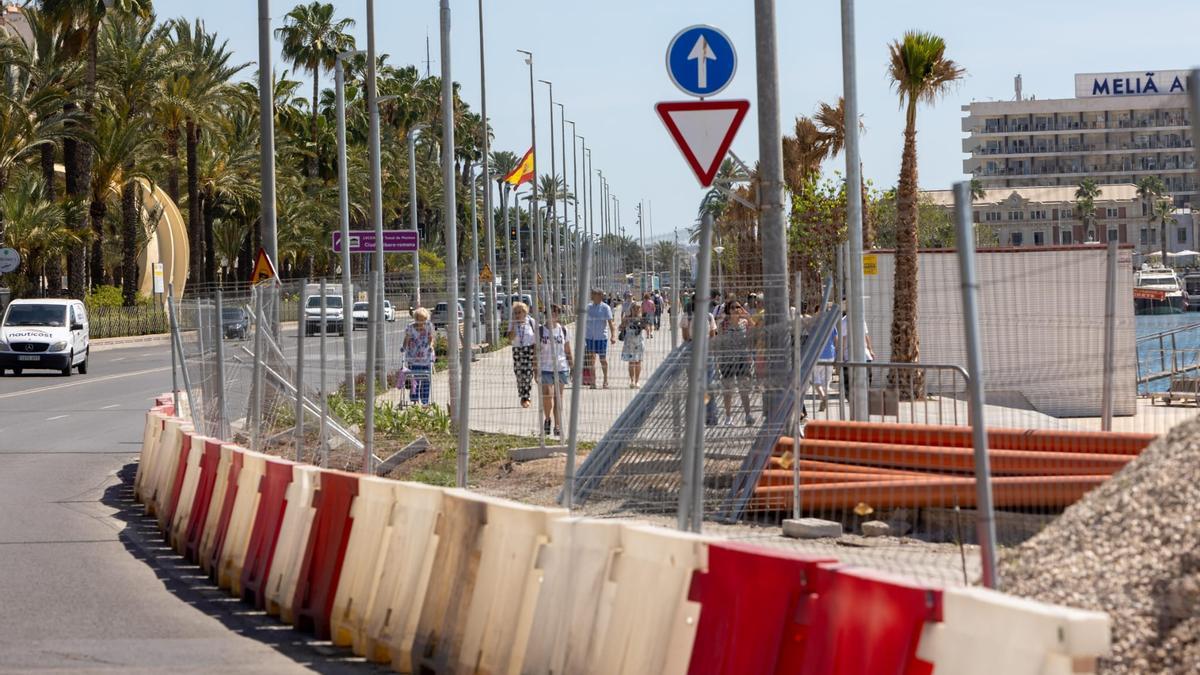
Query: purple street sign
394	241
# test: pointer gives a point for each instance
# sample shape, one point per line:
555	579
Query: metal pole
493	331
517	220
300	372
581	303
323	436
854	269
344	205
641	219
578	236
469	319
692	491
203	355
1110	335
473	273
223	399
412	211
176	357
772	218
675	308
552	210
564	278
986	520
374	309
256	379
800	387
266	130
450	215
533	202
508	241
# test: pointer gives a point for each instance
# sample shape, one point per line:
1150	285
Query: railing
906	393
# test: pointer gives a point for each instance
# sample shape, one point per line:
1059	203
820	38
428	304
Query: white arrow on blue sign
701	61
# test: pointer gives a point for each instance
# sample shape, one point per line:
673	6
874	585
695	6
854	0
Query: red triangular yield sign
703	130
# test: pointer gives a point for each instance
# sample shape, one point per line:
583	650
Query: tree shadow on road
186	581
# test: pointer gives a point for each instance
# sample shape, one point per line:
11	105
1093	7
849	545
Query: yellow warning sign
870	265
539	278
264	269
486	274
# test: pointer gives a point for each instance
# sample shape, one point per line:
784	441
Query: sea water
1187	343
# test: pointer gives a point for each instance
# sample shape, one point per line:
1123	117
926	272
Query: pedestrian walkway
495	406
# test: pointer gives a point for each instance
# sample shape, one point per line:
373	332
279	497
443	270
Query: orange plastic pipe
1040	440
944	460
817	465
777	477
1011	491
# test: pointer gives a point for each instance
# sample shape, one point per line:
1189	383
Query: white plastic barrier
447	604
576	597
241	521
177	535
150	439
653	624
506	586
293	538
208	538
395	600
166	463
362	565
984	632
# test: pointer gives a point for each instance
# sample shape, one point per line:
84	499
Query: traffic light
512	233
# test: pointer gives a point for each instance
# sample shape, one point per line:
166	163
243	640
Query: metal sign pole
196	412
986	519
175	355
800	387
222	398
256	380
692	486
1110	334
323	440
300	330
581	307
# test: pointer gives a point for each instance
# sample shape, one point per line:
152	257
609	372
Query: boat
1191	290
1156	290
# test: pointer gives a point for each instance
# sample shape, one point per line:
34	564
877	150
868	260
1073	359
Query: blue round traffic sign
701	60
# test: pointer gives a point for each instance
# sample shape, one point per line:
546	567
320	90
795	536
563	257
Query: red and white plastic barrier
442	580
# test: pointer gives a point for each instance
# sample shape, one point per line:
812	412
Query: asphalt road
85	580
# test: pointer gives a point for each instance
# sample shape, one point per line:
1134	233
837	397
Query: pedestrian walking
658	309
600	326
710	399
521	335
554	363
419	347
734	359
633	328
648	313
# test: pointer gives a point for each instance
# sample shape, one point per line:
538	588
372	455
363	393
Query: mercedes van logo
30	347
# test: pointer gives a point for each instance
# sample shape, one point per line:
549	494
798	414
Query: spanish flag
523	172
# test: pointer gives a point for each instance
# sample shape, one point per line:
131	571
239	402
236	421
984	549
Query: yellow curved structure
168	238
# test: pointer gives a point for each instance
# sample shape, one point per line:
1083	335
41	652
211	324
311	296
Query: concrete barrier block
167	465
293	537
811	528
241	522
372	515
150	438
187	495
210	535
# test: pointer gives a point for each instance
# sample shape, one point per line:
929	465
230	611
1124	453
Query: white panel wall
1042	322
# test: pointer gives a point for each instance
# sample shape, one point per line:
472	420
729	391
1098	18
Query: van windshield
54	316
332	301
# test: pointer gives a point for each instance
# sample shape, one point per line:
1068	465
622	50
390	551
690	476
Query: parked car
361	315
441	314
389	312
333	315
44	335
235	323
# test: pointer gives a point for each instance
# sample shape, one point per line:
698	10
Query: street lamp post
487	188
377	218
564	256
552	206
344	204
720	269
459	409
576	237
266	132
411	137
533	210
375	306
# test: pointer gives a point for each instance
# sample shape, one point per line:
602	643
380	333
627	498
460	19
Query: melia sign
1136	83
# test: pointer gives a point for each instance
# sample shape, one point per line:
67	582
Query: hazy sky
606	62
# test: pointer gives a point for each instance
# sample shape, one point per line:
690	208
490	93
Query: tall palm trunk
130	222
313	168
207	211
77	169
195	228
53	265
905	339
97	210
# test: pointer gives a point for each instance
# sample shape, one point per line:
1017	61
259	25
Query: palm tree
1161	213
977	190
1150	189
312	39
831	121
1085	203
35	228
920	72
803	153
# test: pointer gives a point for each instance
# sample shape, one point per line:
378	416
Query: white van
44	335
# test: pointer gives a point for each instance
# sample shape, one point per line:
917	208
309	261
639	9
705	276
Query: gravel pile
1130	548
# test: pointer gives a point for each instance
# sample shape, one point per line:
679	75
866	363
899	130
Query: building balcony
1075	127
1076	149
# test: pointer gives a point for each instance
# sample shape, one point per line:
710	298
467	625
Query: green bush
110	296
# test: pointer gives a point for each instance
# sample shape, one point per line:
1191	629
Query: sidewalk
496	408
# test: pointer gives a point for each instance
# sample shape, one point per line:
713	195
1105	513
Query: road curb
105	344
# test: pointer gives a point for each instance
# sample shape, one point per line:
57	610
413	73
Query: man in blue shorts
600	326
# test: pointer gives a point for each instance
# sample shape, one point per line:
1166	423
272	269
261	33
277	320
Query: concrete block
876	528
811	528
530	454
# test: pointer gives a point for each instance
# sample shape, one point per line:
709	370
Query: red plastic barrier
203	500
860	623
322	564
261	550
749	599
177	486
235	468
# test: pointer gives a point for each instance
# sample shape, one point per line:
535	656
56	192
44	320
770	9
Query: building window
1037	215
1113	234
1016	239
1153	236
1016	215
1065	237
1066	213
1183	235
992	216
1039	239
1144	237
1110	212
